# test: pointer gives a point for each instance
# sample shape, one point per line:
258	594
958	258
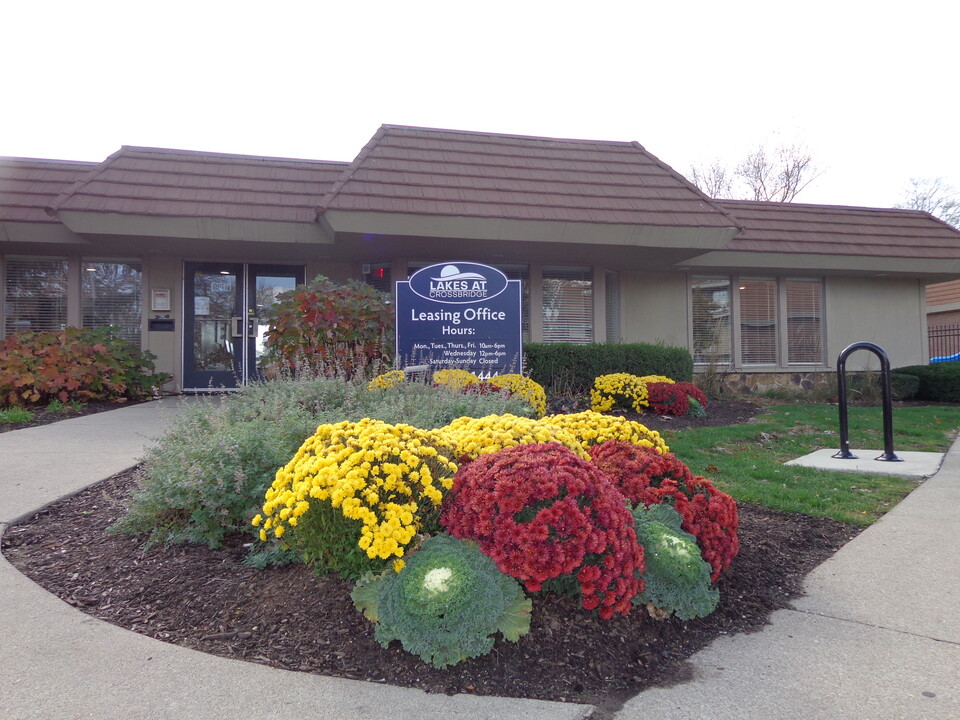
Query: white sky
870	88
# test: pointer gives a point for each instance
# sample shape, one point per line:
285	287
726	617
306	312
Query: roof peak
387	127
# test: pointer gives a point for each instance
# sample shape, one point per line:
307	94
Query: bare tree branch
935	196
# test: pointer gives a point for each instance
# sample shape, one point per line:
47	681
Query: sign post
460	315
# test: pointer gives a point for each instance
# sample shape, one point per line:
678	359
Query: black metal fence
943	340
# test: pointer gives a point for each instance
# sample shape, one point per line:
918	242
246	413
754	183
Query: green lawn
747	460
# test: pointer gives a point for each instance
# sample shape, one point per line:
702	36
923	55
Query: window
758	321
378	276
804	322
111	297
710	299
35	290
774	321
567	304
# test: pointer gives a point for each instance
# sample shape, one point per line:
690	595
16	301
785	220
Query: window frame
784	307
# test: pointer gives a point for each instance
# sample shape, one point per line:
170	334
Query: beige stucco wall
888	312
161	272
654	308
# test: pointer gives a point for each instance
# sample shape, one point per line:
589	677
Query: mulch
288	617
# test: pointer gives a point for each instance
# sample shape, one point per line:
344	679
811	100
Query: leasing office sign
460	314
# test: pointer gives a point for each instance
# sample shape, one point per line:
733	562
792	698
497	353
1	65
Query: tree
935	196
777	175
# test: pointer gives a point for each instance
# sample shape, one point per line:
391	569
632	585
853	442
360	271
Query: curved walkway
876	637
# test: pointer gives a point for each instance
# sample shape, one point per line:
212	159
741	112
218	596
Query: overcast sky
869	88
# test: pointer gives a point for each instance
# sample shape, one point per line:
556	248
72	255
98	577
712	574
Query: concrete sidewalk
876	637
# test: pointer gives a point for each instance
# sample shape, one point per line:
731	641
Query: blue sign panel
460	315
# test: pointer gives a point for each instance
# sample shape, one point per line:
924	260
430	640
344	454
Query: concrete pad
806	667
59	664
915	465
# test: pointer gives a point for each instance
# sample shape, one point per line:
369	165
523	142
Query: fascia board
193	228
471	228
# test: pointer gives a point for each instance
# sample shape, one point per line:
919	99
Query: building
181	250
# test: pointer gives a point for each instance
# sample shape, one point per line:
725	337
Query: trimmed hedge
870	385
938	383
568	368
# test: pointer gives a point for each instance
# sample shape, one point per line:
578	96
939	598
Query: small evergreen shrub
570	369
446	604
647	478
541	512
676	577
37	367
939	382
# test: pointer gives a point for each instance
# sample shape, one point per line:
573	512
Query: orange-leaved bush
540	512
326	326
647	477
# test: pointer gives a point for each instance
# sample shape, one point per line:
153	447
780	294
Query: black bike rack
888	454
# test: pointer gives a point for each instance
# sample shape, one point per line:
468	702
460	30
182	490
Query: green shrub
206	476
676	578
570	369
447	603
74	365
325	327
939	382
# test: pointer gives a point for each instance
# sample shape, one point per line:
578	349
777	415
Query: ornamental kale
446	604
676	578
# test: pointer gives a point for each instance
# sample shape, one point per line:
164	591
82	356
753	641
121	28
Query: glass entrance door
224	325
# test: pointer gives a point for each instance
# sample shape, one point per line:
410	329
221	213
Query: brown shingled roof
423	171
834	230
181	183
28	186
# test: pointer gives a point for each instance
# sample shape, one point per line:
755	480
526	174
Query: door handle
237	331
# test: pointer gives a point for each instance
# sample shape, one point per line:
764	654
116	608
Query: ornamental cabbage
676	577
446	604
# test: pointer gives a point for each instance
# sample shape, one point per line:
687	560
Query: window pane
567	304
36	294
111	297
758	321
804	322
379	278
710	299
612	306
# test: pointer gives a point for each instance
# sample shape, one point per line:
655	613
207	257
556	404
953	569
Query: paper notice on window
201	306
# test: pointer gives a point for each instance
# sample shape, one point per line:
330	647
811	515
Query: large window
35	292
774	322
758	321
111	297
567	304
710	300
804	322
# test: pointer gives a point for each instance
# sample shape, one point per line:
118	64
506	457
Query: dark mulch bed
288	618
